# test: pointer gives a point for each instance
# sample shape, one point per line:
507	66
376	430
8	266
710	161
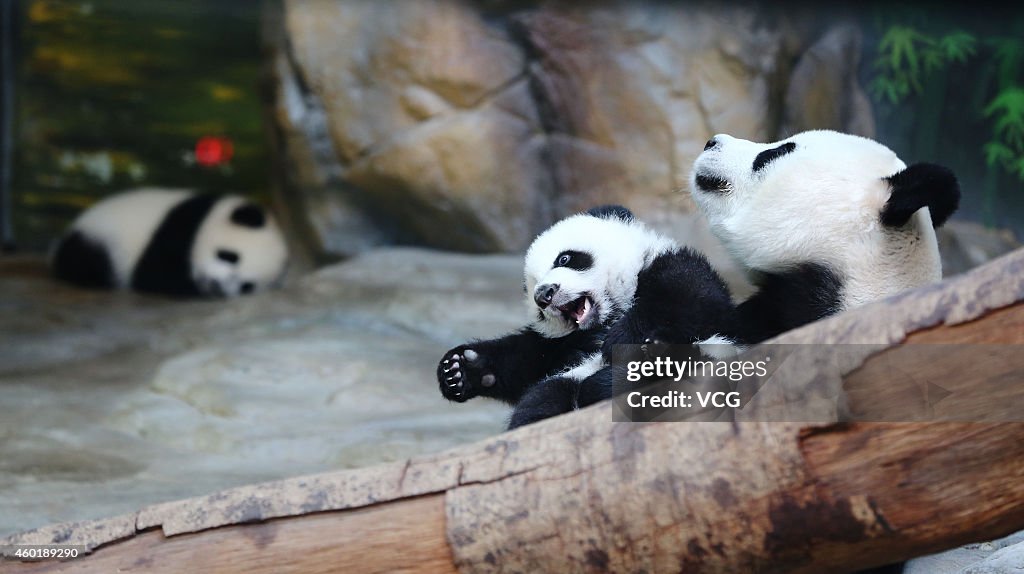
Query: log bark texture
579	494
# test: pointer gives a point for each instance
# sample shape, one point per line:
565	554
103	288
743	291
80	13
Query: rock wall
474	125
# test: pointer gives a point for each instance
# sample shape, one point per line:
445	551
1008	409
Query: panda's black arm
921	185
680	298
785	301
504	368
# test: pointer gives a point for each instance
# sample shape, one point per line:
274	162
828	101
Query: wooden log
380	538
579	494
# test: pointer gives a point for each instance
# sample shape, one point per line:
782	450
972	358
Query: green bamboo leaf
997	153
958	46
898	92
1010	131
1008	103
901	86
899	42
1009	54
885	88
1008	111
933	60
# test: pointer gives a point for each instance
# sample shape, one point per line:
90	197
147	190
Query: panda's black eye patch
575	260
249	215
228	256
768	156
246	288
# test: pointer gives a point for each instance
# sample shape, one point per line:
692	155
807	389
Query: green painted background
114	93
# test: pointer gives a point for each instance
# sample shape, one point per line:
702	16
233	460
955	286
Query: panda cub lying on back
585	273
173	242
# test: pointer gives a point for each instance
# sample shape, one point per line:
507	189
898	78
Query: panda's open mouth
579	311
712	183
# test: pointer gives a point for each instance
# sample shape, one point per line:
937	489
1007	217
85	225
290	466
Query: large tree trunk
577	493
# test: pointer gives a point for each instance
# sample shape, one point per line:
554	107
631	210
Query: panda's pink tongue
582	310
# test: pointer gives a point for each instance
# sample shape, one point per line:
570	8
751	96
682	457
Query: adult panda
822	221
173	242
585	273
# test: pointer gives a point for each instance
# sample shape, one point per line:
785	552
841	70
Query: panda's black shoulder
680	271
166	264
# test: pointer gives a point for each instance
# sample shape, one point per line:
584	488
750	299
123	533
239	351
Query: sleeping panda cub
172	242
822	222
585	273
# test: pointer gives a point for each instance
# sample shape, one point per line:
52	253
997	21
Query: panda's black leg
500	368
595	388
83	261
548	398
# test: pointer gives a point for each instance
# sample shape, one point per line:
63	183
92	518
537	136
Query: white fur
620	250
719	347
585	368
819	203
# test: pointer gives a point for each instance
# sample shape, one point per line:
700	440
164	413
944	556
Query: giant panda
585	273
822	222
173	242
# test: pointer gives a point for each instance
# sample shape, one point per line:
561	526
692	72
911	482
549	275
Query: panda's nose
712	143
544	294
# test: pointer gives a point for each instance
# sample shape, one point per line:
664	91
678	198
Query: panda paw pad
460	374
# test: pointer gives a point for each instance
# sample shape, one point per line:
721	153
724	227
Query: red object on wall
213	151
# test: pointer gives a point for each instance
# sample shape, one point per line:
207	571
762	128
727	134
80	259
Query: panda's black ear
921	185
249	215
611	212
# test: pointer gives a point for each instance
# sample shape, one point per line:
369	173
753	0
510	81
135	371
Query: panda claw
458	379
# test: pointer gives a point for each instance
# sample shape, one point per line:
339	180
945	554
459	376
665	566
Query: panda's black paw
462	373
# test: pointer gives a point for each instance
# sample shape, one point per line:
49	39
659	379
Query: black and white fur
822	221
173	242
586	273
